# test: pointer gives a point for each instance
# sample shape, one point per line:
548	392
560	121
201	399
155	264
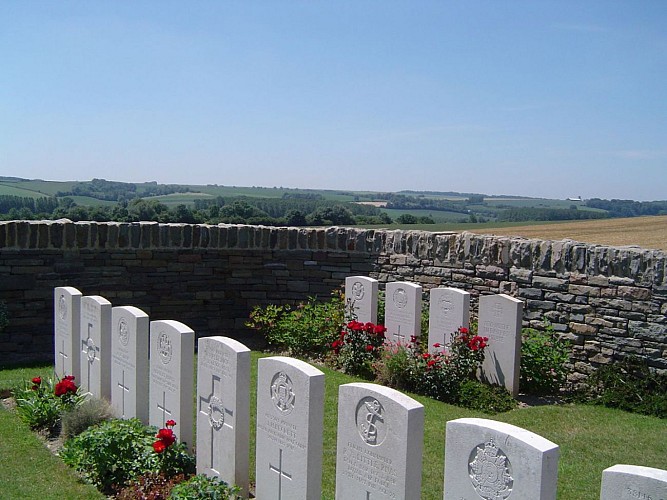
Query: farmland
646	232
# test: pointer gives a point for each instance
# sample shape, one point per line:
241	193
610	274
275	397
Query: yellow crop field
646	232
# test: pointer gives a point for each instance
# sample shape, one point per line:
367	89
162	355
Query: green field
43	188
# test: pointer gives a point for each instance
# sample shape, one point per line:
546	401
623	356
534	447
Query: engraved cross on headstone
281	473
63	355
91	351
123	389
163	408
216	417
398	337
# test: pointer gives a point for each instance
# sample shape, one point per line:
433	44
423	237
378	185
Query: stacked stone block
609	301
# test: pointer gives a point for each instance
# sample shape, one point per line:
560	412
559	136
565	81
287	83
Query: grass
34	471
591	439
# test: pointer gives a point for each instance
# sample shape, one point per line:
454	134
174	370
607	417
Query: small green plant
40	403
358	347
629	385
152	485
486	398
305	330
543	358
204	488
437	374
112	454
4	316
91	412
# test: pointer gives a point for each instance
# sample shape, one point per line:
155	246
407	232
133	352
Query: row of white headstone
149	375
499	319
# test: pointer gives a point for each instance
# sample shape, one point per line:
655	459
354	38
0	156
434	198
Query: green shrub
305	330
543	358
41	403
437	375
395	367
116	452
629	385
90	412
358	348
486	398
204	488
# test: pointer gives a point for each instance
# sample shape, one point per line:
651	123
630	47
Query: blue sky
535	98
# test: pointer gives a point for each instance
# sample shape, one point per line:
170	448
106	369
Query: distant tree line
629	208
42	205
233	210
403	202
547	214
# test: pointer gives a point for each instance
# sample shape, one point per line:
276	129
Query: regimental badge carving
358	291
497	310
445	304
123	331
216	413
91	349
282	393
62	307
164	348
490	472
370	420
400	298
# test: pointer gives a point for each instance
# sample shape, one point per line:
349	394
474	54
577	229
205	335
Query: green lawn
590	438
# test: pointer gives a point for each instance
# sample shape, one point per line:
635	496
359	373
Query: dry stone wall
608	301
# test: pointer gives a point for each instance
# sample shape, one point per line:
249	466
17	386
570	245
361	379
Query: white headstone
129	362
494	460
449	309
223	410
380	441
633	482
290	412
361	294
402	311
95	346
67	343
172	348
500	321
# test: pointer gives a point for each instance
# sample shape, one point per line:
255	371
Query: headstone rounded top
233	343
518	433
397	396
306	368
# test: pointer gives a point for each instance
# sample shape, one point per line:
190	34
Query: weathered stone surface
143	264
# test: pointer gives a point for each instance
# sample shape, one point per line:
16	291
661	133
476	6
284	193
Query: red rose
166	436
69	377
426	355
379	330
65	386
37	380
430	363
159	446
437	344
463	329
170	423
369	348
